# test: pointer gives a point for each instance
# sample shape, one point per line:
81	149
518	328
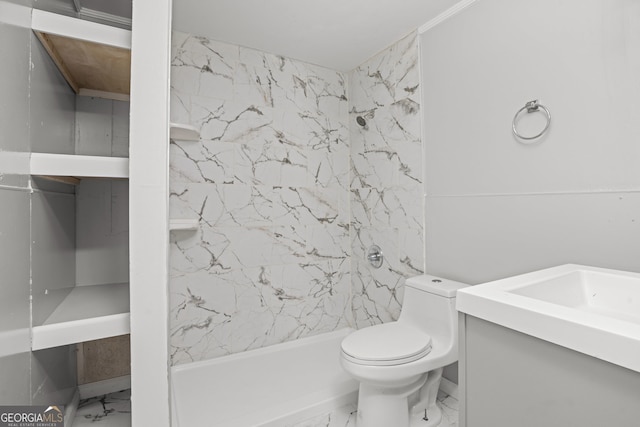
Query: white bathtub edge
319	408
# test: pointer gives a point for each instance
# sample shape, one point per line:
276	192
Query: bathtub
269	387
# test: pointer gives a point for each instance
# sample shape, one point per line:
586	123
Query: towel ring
531	107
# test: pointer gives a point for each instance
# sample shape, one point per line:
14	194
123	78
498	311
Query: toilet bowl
399	364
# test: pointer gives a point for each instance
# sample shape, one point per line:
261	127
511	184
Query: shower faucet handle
374	256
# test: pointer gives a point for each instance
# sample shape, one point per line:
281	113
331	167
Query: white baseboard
449	387
100	388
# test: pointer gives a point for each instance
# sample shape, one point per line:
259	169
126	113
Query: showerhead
361	121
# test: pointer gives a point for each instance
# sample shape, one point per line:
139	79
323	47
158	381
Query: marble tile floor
345	416
111	410
114	410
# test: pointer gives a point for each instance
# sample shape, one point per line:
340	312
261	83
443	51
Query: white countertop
575	323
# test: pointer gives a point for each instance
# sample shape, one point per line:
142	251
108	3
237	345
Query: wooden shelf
95	59
87	313
182	132
70	168
183	224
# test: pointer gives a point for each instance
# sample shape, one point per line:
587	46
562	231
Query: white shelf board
182	132
46	164
66	26
87	313
183	224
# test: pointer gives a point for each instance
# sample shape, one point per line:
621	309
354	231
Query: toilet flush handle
374	256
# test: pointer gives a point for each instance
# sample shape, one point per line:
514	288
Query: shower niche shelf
183	132
179	224
95	59
70	168
85	313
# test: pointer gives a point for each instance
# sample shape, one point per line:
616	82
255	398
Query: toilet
399	364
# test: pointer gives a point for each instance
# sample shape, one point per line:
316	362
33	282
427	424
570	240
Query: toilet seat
385	345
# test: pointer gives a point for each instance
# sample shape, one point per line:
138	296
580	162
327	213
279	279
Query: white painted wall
52	221
34	115
496	207
14	202
102	206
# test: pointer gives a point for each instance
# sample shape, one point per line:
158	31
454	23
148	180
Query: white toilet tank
429	305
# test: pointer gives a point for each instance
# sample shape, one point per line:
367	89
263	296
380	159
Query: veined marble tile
297	300
200	162
203	308
111	410
268	182
410	170
377	292
232	121
241	247
377	296
329	169
189	252
328	242
386	179
271	163
389	206
216	314
377	168
411	250
223	205
346	416
201	66
402	120
313	131
304	205
180	107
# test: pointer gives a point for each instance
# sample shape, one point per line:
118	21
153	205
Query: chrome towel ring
531	107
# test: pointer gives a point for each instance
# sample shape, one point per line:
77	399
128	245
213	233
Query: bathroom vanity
557	347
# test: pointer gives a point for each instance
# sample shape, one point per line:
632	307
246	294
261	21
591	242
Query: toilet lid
387	344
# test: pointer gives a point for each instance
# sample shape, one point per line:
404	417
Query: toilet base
424	410
386	406
434	419
402	406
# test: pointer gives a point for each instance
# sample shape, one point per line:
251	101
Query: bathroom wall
269	184
52	216
496	207
102	227
386	181
15	319
35	115
102	206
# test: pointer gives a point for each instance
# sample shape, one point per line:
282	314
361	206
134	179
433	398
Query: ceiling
337	34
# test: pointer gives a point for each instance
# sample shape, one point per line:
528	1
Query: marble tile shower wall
386	179
269	182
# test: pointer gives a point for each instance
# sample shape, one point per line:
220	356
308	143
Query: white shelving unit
95	60
86	313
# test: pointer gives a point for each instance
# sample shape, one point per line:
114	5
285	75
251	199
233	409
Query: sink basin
604	293
592	310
